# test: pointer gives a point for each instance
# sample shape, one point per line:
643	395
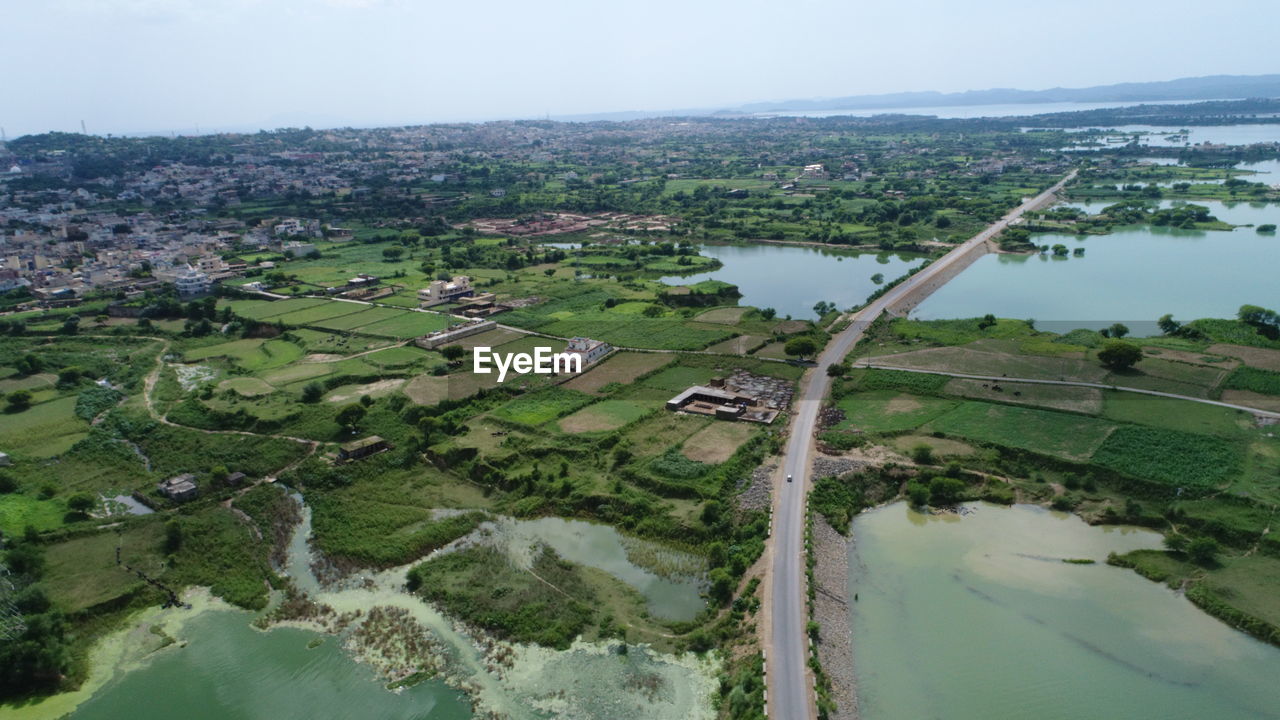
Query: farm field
620	367
717	442
603	416
1070	437
890	411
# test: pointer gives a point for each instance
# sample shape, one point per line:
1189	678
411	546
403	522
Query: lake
1156	135
793	278
230	670
970	111
1133	275
977	617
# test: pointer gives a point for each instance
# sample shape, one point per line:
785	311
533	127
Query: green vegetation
1177	458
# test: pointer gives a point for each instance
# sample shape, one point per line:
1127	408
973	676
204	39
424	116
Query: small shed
362	448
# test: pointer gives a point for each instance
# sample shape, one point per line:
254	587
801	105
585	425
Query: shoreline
833	613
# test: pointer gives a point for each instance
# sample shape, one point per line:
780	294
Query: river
977	617
1132	275
793	278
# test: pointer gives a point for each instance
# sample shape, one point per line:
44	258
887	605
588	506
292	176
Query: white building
443	291
192	282
590	350
299	249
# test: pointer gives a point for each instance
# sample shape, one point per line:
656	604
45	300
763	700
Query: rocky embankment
831	611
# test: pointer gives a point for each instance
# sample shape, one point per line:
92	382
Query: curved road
789	687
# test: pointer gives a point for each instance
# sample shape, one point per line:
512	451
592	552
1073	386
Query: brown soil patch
1251	399
621	367
740	345
489	338
787	327
322	358
716	442
1191	358
590	419
380	387
724	316
1257	357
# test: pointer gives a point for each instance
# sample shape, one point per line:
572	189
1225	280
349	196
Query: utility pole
82	130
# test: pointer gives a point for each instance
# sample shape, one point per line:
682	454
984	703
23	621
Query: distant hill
1213	87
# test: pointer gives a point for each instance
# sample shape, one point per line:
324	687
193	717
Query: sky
126	66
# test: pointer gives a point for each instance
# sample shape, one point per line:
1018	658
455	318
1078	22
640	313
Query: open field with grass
889	410
717	442
1070	437
542	407
604	416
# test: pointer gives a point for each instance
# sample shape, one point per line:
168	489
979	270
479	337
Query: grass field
675	379
246	386
1172	457
717	442
542	406
1071	437
890	410
250	354
42	430
1174	414
17	512
360	315
82	572
603	416
1057	397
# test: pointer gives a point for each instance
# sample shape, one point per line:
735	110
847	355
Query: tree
350	416
81	503
1119	355
945	490
172	536
1203	550
19	400
987	321
922	454
721	585
768	313
1265	321
918	494
392	254
453	353
1118	330
1176	543
801	347
312	392
219	473
1168	325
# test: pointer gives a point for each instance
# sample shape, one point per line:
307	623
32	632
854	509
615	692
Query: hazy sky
142	65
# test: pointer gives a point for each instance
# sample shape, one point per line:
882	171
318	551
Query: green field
603	416
890	411
42	430
1071	437
543	406
1175	458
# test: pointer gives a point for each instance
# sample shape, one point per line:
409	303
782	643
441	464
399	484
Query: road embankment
831	610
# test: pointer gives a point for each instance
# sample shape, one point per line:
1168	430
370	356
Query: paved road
1074	383
790	691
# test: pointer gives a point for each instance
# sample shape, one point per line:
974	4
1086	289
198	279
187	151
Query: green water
793	278
977	617
1132	275
674	595
229	671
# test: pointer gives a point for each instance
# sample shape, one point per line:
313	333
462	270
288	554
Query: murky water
230	670
793	278
677	596
1132	275
978	617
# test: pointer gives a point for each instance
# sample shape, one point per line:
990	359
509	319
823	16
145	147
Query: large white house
192	282
590	350
443	291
